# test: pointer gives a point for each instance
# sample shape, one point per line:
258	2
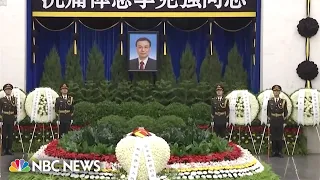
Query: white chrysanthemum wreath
40	104
306	107
263	99
244	107
20	100
142	154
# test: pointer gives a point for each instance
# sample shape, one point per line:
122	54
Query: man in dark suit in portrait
143	62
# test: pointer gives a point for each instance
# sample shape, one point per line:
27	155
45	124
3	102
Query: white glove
284	125
71	121
268	125
1	123
212	124
15	123
58	122
227	124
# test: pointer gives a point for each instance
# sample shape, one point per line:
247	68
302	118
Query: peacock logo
19	165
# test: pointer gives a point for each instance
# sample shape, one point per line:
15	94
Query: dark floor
297	168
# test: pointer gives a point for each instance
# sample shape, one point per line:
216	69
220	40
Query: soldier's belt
220	113
277	114
64	112
8	112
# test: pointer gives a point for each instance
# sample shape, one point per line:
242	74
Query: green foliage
200	113
204	92
95	69
210	71
165	70
141	121
153	109
130	109
106	108
51	76
178	109
123	92
106	89
168	122
75	92
164	92
91	92
119	68
186	92
84	113
142	92
235	75
115	121
73	72
188	66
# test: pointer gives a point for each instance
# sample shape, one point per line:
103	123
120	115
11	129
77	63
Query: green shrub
153	109
167	122
141	121
116	122
84	113
200	113
130	109
106	108
179	110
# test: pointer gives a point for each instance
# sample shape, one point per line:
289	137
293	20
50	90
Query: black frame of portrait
129	48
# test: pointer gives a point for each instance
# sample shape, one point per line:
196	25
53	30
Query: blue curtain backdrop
108	40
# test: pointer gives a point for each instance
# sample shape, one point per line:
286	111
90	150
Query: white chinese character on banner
235	4
76	4
121	4
171	4
46	4
60	4
143	3
191	4
102	3
217	3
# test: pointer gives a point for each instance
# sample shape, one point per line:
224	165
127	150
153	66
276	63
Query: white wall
282	49
13	43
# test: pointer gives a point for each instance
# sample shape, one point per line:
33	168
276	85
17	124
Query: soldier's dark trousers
220	130
7	133
64	128
277	138
277	146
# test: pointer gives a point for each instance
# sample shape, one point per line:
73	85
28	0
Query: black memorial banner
144	8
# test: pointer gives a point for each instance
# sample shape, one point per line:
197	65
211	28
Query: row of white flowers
246	165
303	106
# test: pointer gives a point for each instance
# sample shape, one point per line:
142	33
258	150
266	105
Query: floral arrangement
20	100
244	107
245	165
306	107
263	99
142	154
40	105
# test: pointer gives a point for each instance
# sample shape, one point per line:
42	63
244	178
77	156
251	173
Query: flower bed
244	165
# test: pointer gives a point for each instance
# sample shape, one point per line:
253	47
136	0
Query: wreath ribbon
246	103
35	106
315	106
264	115
232	108
17	95
49	104
142	146
301	107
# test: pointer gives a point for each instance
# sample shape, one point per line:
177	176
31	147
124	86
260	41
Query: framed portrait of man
143	54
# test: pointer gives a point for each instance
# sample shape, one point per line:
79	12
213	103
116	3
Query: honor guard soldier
8	117
64	108
277	112
220	113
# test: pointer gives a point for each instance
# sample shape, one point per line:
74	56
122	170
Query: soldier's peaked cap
219	87
276	88
64	86
7	86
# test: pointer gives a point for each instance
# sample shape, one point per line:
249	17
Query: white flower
263	98
131	149
20	99
306	104
40	105
244	107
